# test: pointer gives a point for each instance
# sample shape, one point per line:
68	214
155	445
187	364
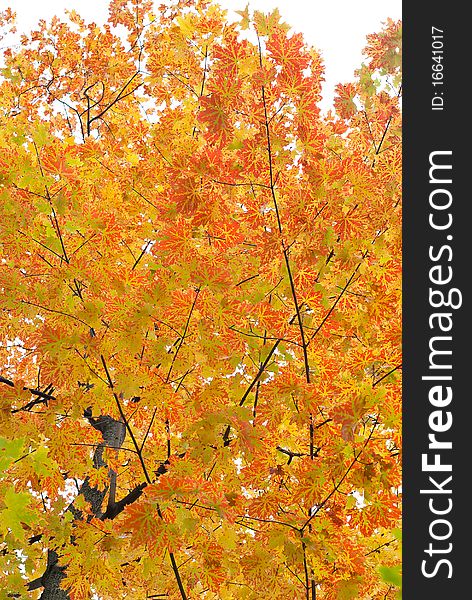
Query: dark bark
114	509
51	580
113	434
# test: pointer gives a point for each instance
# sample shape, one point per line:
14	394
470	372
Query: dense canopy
200	311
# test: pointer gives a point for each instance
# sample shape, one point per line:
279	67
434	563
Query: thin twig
279	224
387	374
183	335
125	420
337	485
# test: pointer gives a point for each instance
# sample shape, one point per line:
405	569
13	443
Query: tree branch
183	335
114	509
125	420
42	396
337	485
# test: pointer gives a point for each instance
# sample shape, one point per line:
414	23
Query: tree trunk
113	434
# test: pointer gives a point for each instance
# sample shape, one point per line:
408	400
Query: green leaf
397	532
391	575
42	463
348	590
350	502
42	206
329	237
16	513
40	136
277	538
10	450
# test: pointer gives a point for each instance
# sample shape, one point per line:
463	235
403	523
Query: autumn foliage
200	315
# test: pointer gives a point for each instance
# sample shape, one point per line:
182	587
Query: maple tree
200	324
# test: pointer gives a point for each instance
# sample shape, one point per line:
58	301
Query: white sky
336	27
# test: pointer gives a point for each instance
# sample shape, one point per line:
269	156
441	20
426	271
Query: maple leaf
142	519
385	48
244	23
288	51
213	115
16	515
265	506
344	100
10	450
